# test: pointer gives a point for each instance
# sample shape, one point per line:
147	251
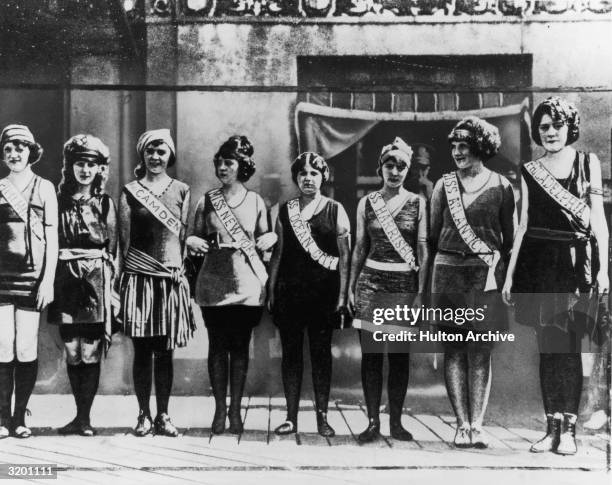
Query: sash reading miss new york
233	227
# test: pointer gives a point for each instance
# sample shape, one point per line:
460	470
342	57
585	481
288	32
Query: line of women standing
313	283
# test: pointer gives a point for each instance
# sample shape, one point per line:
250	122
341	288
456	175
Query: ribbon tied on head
398	149
147	137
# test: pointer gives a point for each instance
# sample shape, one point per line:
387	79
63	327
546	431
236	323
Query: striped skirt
155	300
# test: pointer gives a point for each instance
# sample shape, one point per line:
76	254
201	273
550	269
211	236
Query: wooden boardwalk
116	456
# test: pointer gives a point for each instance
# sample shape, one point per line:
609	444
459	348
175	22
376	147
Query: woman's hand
196	246
270	302
350	302
45	294
340	304
603	282
266	241
507	292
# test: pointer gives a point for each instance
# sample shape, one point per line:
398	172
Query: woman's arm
362	246
185	217
111	226
45	290
275	264
196	245
516	245
508	219
125	217
422	245
343	235
598	223
436	211
264	238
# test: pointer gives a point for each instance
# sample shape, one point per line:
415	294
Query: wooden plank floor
118	456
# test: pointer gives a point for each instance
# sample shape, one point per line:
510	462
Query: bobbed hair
560	111
36	150
239	148
315	160
481	136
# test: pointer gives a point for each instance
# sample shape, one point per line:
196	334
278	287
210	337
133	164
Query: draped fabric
329	131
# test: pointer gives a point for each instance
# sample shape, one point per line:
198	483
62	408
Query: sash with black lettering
573	207
478	246
391	230
233	227
21	207
304	237
155	207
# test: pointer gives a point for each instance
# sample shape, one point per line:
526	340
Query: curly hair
239	148
315	160
481	136
83	148
560	111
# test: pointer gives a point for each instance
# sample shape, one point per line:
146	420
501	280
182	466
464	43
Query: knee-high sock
397	385
479	382
90	378
321	363
142	373
239	366
292	368
25	379
7	381
164	373
74	376
455	378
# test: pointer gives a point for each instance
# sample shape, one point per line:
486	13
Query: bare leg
479	365
455	375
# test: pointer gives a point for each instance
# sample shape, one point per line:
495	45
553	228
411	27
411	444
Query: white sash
302	232
155	207
477	245
233	227
21	207
391	230
567	200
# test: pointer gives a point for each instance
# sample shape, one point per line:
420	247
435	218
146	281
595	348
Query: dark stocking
25	379
163	370
6	391
321	361
142	373
397	384
90	378
218	366
239	365
372	381
292	367
74	376
548	383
